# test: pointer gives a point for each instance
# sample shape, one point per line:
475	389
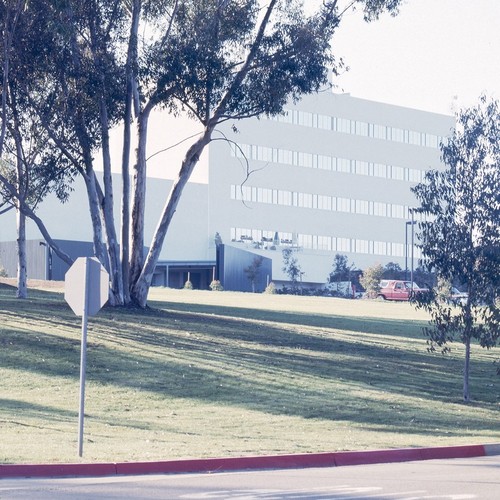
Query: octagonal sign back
86	283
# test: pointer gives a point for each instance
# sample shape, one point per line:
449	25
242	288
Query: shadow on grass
269	368
380	326
32	410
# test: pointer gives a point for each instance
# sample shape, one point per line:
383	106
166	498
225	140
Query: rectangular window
414	175
343	245
324	202
397	211
397	134
285	157
361	246
398	173
379	131
380	170
362	167
305	240
344	125
324	162
362	207
343	205
324	243
305	119
305	160
361	128
414	138
284	198
325	122
380	247
343	165
380	209
397	249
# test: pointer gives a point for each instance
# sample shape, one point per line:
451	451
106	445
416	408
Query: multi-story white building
331	175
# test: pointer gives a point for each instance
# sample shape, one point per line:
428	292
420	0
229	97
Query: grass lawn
206	374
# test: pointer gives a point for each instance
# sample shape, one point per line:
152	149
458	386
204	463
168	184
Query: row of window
317	201
365	129
323	162
267	239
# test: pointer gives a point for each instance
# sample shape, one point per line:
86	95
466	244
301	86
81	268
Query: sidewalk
336	459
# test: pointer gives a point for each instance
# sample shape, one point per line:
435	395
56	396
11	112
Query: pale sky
435	55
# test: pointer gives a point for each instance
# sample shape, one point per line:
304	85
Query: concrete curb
336	459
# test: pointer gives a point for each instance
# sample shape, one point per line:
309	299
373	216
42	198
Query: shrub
3	273
271	288
216	286
370	280
188	285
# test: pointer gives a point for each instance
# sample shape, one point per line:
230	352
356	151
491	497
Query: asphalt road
457	479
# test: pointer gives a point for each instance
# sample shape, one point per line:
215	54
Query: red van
398	289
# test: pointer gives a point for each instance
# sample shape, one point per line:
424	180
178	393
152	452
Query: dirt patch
55	286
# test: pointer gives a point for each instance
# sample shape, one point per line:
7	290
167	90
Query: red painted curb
453	452
335	459
57	470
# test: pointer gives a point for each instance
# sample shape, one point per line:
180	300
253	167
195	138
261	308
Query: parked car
398	289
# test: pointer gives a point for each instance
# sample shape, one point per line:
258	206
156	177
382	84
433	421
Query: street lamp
411	223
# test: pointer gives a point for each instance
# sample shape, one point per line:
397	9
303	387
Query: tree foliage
370	280
393	271
341	269
460	235
93	64
253	270
291	267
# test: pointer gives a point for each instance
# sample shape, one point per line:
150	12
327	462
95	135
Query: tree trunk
140	286
140	280
115	270
139	199
467	370
125	205
22	277
94	206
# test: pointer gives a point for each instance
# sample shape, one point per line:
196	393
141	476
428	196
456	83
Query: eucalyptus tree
79	100
460	235
29	168
110	62
226	60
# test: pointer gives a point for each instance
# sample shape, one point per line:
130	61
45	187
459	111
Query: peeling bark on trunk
115	271
94	206
131	70
140	288
139	199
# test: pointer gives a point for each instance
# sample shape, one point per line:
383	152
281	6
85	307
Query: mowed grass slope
206	374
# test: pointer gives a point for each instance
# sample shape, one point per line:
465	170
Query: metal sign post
83	357
86	291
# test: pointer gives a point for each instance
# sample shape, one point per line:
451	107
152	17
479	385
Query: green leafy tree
30	167
370	280
216	60
393	271
291	267
460	235
341	270
253	270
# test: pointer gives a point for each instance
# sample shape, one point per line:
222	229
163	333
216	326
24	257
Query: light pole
411	223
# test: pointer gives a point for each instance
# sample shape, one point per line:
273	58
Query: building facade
333	174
